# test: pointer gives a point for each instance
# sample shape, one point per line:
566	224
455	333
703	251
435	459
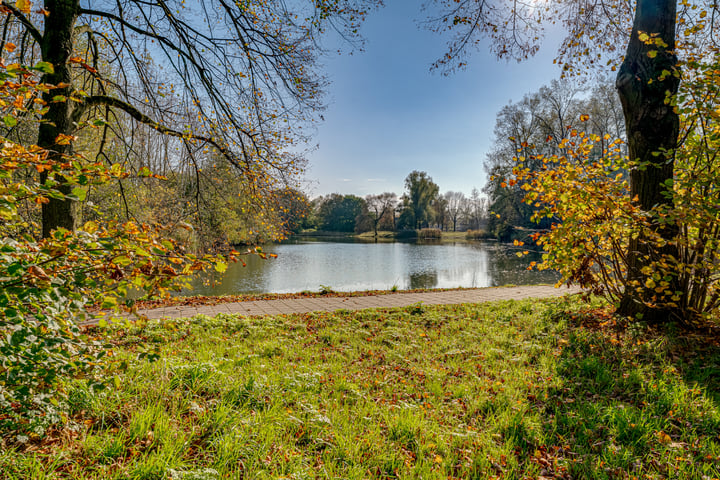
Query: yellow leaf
90	227
23	5
663	437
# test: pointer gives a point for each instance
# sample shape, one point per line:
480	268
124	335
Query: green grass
504	390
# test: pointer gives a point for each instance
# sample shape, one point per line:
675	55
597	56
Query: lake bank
383	235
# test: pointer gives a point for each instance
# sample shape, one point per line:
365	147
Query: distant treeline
420	206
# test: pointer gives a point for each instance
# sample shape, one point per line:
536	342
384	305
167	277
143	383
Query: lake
350	264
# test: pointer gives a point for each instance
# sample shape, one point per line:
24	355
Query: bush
430	233
405	234
477	235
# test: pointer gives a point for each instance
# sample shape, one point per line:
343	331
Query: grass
518	389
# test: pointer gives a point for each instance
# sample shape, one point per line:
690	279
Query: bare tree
381	208
454	206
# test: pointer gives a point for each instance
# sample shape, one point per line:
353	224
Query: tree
381	208
647	82
652	124
420	193
439	209
340	213
454	206
476	208
47	284
240	76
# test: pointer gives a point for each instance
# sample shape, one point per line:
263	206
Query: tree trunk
56	48
652	130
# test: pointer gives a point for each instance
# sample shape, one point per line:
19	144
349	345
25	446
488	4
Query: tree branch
144	119
24	20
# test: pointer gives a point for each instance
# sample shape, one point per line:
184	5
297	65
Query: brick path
313	304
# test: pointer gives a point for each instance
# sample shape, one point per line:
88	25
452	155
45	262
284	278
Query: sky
388	114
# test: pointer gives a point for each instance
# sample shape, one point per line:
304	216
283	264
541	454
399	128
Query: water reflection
350	265
423	279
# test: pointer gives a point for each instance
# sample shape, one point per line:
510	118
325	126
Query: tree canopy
420	193
237	78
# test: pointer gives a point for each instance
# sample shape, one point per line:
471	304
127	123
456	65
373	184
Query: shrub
430	233
477	235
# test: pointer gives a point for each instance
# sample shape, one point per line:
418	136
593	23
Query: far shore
399	235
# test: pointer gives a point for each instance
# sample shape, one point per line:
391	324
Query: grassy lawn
531	389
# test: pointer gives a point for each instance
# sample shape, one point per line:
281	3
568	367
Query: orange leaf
63	139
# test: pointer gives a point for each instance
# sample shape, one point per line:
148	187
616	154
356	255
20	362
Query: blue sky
388	114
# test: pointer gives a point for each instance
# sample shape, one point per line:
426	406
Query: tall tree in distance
420	193
241	75
340	213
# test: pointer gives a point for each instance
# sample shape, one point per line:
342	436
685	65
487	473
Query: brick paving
314	304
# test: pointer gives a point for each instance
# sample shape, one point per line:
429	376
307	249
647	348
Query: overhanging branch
144	119
24	20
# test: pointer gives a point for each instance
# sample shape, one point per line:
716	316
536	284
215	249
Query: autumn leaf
63	139
23	5
663	437
38	272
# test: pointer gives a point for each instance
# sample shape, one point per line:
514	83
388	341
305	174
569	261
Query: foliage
518	389
536	125
595	219
340	213
46	285
214	78
420	193
294	209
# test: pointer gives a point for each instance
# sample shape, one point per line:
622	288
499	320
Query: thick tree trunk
652	129
57	48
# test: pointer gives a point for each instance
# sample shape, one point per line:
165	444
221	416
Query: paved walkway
314	304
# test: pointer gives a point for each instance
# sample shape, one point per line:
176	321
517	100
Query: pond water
348	265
